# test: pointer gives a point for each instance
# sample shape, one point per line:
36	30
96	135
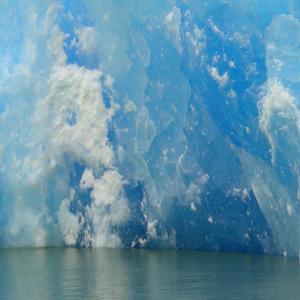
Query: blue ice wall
150	124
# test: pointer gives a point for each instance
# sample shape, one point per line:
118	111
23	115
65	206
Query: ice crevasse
150	124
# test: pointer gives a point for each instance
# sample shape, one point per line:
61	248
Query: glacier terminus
150	124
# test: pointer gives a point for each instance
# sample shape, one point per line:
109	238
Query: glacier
150	124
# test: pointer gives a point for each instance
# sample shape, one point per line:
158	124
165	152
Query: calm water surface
138	274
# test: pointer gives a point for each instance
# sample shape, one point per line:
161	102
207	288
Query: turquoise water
137	274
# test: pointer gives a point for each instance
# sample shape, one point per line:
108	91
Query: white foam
87	179
173	22
221	79
109	208
86	39
277	100
69	223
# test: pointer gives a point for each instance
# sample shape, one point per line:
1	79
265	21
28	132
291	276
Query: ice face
150	124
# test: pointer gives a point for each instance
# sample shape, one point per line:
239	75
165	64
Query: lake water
139	274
